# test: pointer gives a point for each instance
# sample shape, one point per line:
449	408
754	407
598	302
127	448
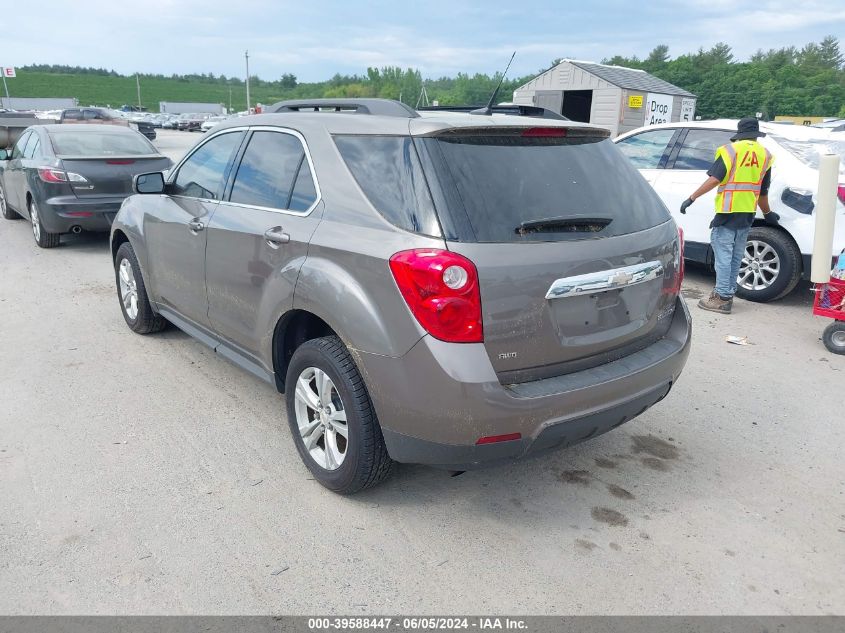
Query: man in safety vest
743	172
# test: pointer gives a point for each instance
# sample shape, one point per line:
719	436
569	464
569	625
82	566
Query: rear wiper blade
563	225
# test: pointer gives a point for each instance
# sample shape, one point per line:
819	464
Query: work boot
717	303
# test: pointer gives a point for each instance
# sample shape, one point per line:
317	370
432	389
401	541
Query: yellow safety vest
746	163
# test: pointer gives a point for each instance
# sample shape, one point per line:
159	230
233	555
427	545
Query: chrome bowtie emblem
621	279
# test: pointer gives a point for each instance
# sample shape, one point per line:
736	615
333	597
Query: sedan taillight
441	289
48	174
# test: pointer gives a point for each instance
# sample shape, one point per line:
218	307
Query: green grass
116	91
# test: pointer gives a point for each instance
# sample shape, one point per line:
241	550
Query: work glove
685	204
771	218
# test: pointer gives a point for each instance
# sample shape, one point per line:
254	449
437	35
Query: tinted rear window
500	188
96	143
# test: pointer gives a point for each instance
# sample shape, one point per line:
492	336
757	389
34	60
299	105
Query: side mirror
4	154
149	183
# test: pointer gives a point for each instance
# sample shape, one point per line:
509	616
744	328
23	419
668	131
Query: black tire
789	273
834	337
366	462
5	209
146	321
42	237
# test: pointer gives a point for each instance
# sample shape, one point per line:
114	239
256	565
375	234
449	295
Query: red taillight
120	162
51	175
441	289
493	439
80	214
840	192
544	132
48	174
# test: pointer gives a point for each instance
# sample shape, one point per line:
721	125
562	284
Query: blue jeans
728	247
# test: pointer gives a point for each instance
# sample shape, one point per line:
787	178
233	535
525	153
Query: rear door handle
276	236
196	225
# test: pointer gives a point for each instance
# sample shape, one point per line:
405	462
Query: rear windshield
96	143
510	188
809	152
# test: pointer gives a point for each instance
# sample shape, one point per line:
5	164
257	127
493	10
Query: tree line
806	81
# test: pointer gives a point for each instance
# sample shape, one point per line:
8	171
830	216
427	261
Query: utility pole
8	98
230	99
246	55
138	86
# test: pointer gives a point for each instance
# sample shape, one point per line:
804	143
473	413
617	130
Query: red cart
830	302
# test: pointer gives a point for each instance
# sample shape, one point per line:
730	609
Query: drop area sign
658	109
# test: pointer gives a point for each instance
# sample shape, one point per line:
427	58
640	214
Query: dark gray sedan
72	178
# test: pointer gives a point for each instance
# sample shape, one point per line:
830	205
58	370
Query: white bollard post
825	218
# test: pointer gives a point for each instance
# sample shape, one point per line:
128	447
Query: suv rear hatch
578	262
578	259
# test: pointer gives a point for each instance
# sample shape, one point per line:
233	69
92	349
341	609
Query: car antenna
489	109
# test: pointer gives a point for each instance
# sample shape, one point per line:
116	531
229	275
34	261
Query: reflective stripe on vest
740	189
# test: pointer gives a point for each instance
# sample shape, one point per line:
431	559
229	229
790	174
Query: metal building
38	103
174	107
616	98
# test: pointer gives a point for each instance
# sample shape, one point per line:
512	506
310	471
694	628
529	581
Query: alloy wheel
36	223
128	289
2	201
321	418
760	266
838	338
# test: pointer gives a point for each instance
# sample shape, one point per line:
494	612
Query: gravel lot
143	475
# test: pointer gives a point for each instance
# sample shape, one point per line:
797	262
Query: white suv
674	159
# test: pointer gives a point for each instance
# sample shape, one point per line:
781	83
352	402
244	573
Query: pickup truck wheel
771	267
5	208
42	237
132	293
332	419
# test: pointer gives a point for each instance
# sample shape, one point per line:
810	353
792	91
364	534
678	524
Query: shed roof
630	78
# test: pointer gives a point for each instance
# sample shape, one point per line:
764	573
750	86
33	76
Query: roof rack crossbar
518	110
378	107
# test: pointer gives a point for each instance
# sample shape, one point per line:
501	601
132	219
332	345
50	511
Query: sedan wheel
321	418
5	210
42	237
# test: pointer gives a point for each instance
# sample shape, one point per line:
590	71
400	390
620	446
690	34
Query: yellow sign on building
635	101
801	120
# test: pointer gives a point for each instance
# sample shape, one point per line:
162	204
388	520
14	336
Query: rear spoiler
535	131
515	110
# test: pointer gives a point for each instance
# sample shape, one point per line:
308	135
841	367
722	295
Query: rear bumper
58	214
435	402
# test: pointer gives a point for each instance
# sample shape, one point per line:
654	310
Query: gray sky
314	40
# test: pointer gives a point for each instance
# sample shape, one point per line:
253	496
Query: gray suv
448	288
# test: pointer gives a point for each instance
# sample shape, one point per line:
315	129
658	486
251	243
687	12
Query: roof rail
517	110
379	107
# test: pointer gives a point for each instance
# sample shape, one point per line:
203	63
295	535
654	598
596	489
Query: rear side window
17	152
645	150
274	173
389	173
699	149
31	146
202	174
510	188
72	115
